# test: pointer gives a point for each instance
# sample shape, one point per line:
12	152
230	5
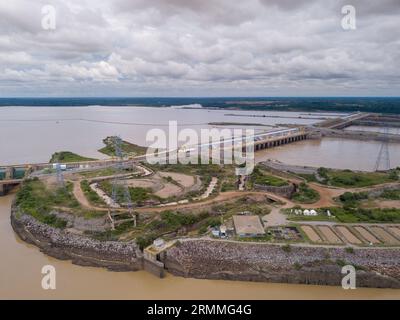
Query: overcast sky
199	48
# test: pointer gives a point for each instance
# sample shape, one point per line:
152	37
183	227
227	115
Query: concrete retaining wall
154	267
286	191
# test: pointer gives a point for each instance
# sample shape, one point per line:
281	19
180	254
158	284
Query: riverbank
220	260
81	250
203	259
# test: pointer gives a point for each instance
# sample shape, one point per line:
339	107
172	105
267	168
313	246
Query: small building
154	256
222	231
248	226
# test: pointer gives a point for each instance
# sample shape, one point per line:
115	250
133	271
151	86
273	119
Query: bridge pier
278	142
9	174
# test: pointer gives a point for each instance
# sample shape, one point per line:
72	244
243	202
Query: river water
32	134
46	130
20	278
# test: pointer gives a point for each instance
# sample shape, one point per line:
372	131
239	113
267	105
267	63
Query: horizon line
185	97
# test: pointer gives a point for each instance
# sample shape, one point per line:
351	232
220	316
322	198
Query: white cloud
220	47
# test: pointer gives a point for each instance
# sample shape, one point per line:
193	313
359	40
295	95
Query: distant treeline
380	105
329	104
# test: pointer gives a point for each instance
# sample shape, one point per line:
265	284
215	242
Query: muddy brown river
20	278
33	134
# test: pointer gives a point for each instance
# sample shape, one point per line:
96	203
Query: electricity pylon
383	160
119	184
60	177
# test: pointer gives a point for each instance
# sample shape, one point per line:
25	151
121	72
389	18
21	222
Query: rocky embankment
377	268
81	250
213	259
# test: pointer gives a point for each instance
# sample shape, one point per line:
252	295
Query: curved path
327	194
222	197
326	199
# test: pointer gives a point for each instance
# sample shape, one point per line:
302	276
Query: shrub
297	266
349	250
306	195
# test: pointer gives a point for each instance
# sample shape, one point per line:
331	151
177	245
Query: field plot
329	235
311	234
395	231
367	235
385	236
348	235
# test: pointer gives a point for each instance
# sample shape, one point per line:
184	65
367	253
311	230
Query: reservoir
33	134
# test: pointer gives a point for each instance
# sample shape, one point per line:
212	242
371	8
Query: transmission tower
383	160
119	184
60	177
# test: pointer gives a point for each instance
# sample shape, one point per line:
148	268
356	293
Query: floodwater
33	134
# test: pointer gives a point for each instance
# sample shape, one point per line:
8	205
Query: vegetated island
128	148
68	156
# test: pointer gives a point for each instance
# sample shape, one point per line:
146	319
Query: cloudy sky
199	48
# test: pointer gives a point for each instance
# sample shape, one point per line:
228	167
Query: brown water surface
20	278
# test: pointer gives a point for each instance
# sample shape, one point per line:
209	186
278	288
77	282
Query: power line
383	160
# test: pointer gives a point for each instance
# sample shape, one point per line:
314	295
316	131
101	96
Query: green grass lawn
352	179
91	195
35	199
67	156
374	215
352	215
105	172
305	194
138	194
391	195
260	177
308	177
